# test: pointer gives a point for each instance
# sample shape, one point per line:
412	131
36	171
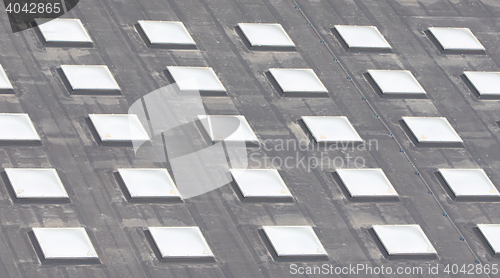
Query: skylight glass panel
366	183
180	242
491	233
396	82
469	183
432	130
64	243
201	79
149	183
17	127
64	30
260	183
36	183
292	81
399	240
166	33
362	37
294	241
266	34
118	127
331	129
456	39
486	84
228	129
84	78
4	80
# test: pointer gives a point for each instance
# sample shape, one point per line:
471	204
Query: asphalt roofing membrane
116	227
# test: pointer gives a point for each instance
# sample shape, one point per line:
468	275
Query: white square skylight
64	30
401	240
119	127
180	242
228	129
294	241
457	39
257	183
266	34
487	84
90	78
491	233
149	183
36	183
396	82
17	127
331	129
432	130
298	81
64	243
4	80
469	183
166	32
366	183
201	79
362	37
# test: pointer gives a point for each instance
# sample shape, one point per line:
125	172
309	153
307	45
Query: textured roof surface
231	227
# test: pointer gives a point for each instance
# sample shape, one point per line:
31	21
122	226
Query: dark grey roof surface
230	226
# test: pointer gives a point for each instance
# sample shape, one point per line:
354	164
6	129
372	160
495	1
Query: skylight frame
298	82
192	79
397	83
166	33
22	119
447	38
422	133
5	84
477	178
491	234
350	35
207	121
253	33
396	246
286	240
73	73
485	83
18	177
49	240
76	33
269	182
166	241
319	125
100	126
351	179
164	184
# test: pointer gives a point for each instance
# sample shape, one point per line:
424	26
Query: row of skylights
292	242
324	129
174	33
292	82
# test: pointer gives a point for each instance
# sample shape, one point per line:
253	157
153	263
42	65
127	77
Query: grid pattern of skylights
64	31
260	183
17	127
396	82
294	241
401	240
296	81
432	130
456	39
362	37
469	183
36	183
331	129
84	78
149	183
228	129
491	233
180	242
366	183
486	84
266	35
4	80
196	79
118	127
167	33
64	243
